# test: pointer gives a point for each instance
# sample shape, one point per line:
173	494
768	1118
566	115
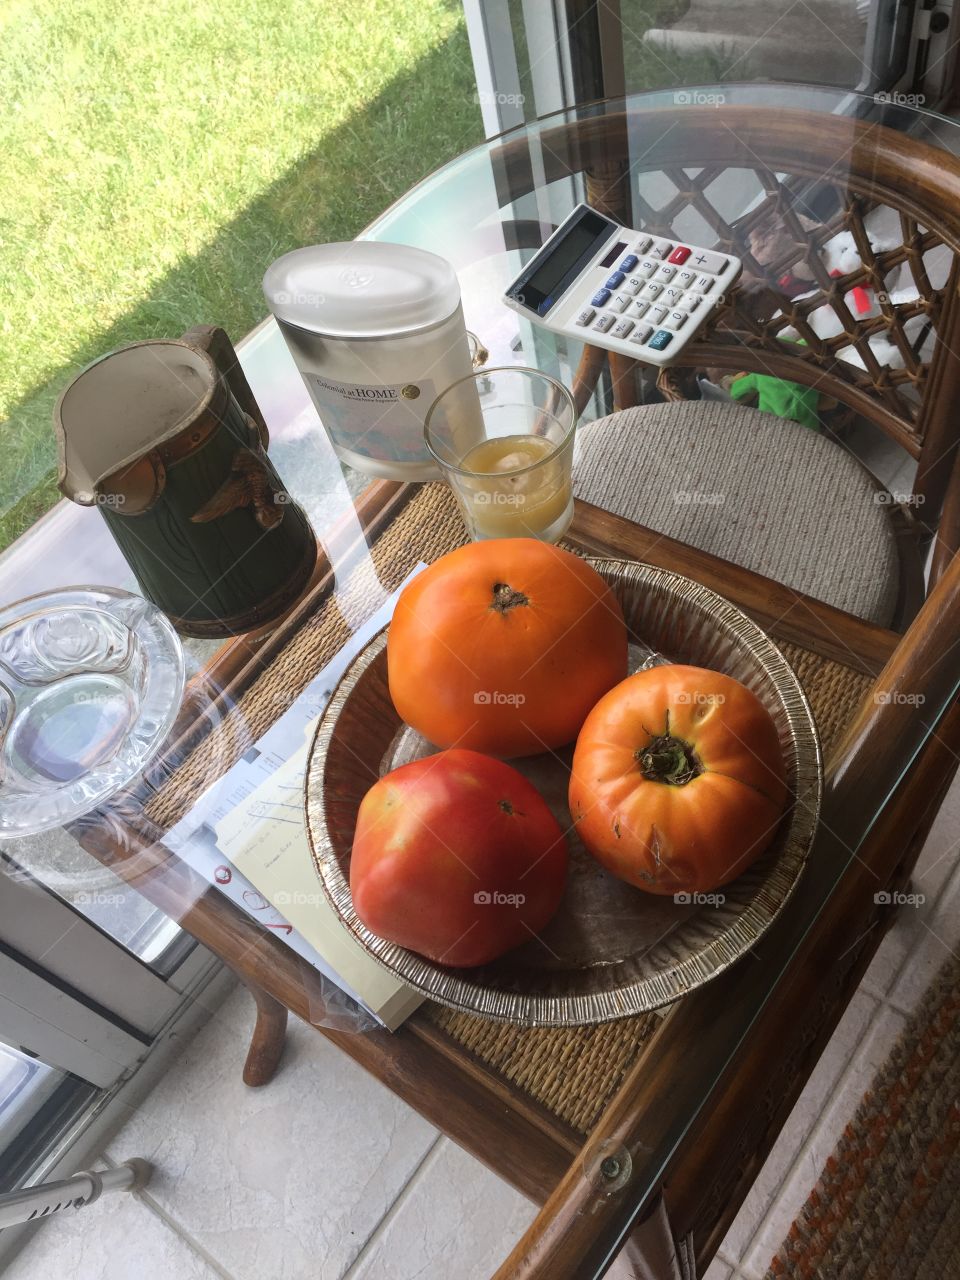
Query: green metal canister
166	438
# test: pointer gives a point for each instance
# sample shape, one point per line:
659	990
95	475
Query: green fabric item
775	395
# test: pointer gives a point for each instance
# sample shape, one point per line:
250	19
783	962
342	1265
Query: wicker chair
756	489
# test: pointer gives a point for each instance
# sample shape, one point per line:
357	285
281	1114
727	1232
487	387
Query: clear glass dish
91	680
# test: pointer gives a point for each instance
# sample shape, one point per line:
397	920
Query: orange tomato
678	780
504	646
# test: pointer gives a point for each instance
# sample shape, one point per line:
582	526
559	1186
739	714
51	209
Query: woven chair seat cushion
757	490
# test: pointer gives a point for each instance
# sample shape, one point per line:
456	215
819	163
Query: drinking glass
503	438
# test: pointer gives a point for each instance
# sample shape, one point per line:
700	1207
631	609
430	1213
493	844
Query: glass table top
703	164
460	212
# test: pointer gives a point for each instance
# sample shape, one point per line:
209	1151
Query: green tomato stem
669	760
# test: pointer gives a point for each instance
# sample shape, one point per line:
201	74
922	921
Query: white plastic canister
377	333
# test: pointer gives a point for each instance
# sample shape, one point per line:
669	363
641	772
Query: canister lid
361	289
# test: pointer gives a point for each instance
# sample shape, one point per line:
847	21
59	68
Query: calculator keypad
652	293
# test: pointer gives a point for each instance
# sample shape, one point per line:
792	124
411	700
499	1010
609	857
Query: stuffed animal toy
786	399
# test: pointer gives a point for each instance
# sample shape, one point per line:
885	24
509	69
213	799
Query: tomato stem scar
505	598
669	760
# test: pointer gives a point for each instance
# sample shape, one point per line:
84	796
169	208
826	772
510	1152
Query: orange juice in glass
504	440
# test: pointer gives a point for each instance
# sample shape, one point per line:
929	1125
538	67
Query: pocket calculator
611	286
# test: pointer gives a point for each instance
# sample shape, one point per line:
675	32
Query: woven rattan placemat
427	527
571	1072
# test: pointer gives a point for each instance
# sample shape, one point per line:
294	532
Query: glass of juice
503	438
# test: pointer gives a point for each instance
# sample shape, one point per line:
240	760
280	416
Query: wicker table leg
587	375
623	371
266	1043
623	374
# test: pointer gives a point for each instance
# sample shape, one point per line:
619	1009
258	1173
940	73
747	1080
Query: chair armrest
947	541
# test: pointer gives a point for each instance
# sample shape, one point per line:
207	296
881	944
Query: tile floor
324	1174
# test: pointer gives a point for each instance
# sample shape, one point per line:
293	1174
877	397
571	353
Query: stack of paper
247	835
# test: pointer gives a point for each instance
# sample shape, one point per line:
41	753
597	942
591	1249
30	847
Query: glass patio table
600	1119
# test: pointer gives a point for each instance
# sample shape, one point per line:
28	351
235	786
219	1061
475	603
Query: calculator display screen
566	254
556	266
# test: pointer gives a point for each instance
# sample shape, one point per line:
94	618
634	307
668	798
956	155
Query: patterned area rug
887	1206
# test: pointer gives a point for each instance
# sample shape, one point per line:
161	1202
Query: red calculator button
680	254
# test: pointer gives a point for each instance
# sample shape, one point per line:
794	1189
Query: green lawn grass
155	158
646	67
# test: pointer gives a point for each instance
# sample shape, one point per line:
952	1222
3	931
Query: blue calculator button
600	297
616	280
629	262
660	340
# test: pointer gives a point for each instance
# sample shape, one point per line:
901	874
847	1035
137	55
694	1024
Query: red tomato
678	780
456	856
